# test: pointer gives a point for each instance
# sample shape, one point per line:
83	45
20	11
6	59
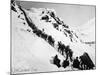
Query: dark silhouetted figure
56	61
86	62
65	63
38	33
51	40
76	63
66	51
60	47
70	54
43	35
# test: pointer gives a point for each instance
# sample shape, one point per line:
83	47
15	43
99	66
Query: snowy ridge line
46	37
60	26
61	44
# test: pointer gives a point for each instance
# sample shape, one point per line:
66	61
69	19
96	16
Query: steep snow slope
57	34
39	35
29	53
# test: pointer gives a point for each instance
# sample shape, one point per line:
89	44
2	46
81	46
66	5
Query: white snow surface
33	54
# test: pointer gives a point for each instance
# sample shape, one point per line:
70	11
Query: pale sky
73	15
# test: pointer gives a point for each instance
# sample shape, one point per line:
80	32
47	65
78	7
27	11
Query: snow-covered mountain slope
39	36
29	52
87	31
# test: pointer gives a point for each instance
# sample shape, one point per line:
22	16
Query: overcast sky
73	15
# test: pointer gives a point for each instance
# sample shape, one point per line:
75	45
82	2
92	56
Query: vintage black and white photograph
52	37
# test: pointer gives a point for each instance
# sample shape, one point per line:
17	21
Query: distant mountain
48	27
87	31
